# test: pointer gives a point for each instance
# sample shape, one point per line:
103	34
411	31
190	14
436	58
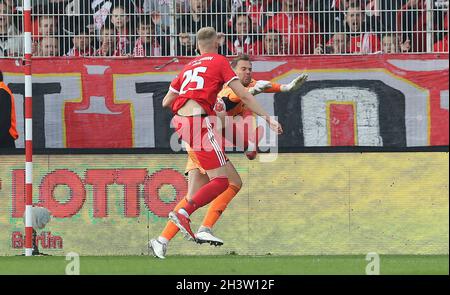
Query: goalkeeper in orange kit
243	133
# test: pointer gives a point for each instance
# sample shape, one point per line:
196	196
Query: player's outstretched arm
253	105
169	99
295	84
260	86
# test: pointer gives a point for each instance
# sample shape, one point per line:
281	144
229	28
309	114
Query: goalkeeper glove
295	84
259	87
220	106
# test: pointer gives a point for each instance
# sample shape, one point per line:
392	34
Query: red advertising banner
377	100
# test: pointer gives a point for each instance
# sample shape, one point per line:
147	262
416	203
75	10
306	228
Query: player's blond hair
206	36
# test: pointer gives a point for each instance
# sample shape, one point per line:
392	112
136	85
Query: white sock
203	228
182	211
163	240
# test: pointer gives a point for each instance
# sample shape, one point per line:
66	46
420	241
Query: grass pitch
228	264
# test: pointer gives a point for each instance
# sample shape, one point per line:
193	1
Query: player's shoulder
207	59
226	91
215	57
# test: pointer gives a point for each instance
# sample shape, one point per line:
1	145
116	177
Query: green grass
229	264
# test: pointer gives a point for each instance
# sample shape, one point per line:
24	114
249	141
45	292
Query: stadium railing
153	28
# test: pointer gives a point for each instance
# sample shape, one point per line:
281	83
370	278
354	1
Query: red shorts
199	134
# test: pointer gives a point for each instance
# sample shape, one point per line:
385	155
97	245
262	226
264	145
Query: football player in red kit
192	96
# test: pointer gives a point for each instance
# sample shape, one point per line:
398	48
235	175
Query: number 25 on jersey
192	76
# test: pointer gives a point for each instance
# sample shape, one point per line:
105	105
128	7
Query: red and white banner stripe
28	131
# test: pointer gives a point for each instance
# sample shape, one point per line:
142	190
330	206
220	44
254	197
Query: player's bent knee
221	182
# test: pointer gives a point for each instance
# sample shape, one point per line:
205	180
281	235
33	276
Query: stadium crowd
257	27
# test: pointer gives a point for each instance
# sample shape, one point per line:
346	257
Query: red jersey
297	30
362	43
441	46
201	80
248	47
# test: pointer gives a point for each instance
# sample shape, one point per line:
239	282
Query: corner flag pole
28	131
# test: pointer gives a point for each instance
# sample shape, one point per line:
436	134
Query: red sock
206	194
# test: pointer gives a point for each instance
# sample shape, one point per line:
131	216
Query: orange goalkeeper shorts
192	162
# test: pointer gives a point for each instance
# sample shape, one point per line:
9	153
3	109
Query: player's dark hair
243	57
1	76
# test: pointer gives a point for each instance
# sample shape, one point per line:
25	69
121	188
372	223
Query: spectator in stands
14	4
410	17
48	46
391	44
361	39
120	21
11	39
338	44
160	12
242	40
81	44
101	11
296	26
48	25
273	43
47	2
94	13
258	11
148	43
200	15
442	45
107	45
329	15
186	44
395	15
196	18
187	26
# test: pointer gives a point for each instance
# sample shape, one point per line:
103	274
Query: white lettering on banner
315	120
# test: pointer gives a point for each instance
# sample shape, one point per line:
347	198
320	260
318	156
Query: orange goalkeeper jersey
234	104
